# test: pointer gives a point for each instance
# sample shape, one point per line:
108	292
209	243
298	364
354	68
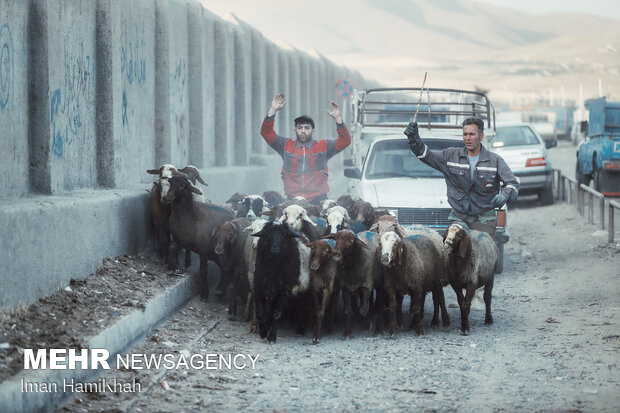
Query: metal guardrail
568	189
612	205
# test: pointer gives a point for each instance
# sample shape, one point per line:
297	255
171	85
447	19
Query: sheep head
180	185
346	241
391	248
320	252
337	218
294	216
457	239
273	233
192	173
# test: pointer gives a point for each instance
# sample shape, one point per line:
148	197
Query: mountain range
516	56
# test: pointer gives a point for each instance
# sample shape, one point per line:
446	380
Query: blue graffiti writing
125	121
6	66
56	136
133	63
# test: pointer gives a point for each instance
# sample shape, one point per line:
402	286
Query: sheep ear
378	253
306	218
400	231
152	171
195	190
329	236
465	246
247	229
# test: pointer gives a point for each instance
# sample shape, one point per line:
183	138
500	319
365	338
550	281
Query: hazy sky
605	8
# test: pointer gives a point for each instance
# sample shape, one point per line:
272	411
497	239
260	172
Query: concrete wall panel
272	72
179	83
72	74
224	89
260	96
208	86
14	156
133	47
243	94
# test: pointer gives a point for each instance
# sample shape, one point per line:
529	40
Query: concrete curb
116	338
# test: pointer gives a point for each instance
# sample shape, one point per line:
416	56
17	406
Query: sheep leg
262	313
248	304
469	295
418	301
301	313
278	307
188	258
163	243
399	309
380	304
365	308
488	288
222	285
173	255
332	311
346	294
445	317
204	278
435	320
392	305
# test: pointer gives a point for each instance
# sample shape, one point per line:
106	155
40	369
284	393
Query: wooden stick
420	100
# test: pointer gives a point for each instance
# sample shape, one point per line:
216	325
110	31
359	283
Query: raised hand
335	112
277	103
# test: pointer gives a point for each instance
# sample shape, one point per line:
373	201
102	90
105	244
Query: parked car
525	152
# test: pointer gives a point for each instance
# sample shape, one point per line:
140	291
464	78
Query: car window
514	136
393	158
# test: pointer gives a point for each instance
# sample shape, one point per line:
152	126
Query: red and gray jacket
304	169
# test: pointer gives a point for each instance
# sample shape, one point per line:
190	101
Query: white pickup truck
385	172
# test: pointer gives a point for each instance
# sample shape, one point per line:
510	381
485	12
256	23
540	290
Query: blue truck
598	155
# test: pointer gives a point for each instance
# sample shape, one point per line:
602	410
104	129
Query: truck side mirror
584	126
353	173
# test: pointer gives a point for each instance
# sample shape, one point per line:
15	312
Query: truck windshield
393	158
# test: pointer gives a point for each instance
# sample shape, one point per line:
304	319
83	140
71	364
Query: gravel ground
554	346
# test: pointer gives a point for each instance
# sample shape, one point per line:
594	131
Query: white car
393	178
525	152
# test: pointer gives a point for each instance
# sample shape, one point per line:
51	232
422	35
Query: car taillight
536	162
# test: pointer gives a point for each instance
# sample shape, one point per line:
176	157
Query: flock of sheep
282	257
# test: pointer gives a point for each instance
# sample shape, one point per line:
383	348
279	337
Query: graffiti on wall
133	61
67	104
178	81
133	48
6	66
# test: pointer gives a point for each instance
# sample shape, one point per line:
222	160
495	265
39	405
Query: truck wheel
581	177
500	258
546	196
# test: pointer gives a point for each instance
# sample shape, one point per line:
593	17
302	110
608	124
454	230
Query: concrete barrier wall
94	92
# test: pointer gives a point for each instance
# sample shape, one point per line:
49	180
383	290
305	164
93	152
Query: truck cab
384	171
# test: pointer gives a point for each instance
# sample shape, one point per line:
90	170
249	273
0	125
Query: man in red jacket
304	171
